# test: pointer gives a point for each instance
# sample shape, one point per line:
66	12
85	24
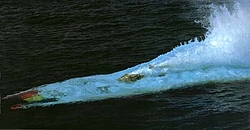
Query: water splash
221	57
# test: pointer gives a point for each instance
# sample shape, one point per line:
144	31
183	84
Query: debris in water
129	78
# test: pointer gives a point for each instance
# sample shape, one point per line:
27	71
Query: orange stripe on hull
17	106
28	94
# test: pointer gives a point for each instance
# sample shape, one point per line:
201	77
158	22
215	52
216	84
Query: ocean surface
43	42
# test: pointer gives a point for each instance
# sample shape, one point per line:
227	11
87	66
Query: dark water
48	41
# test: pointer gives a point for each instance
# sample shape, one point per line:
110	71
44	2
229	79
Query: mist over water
230	32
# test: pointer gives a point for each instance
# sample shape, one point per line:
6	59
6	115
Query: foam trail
221	57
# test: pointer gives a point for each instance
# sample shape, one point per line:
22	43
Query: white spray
221	57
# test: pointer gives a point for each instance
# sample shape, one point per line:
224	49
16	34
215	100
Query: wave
221	57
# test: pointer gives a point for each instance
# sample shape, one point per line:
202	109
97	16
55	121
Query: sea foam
221	57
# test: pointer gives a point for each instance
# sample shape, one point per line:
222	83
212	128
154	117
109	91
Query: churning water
215	65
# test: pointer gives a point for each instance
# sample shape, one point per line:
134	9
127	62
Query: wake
221	57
